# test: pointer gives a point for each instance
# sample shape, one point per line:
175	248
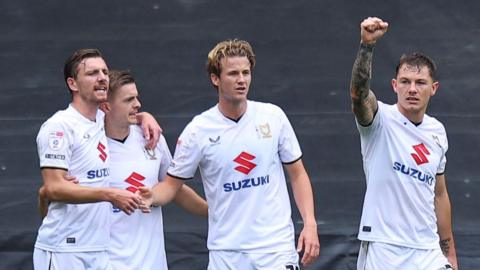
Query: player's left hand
151	129
309	243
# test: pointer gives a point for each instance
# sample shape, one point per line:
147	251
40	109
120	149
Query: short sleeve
166	157
288	146
53	145
187	155
443	160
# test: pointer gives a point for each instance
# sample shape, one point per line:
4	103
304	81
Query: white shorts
47	260
235	260
381	256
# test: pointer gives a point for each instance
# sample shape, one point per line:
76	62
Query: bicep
365	108
52	176
295	170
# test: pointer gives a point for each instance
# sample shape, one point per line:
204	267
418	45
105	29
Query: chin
132	121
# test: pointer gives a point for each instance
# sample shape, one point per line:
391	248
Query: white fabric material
137	240
381	256
47	260
401	161
243	178
234	260
72	142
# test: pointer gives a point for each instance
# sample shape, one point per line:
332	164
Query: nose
102	77
241	78
412	88
137	104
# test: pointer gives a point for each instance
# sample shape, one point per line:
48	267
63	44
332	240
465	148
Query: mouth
412	99
101	89
241	89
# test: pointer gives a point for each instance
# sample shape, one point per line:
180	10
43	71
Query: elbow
51	192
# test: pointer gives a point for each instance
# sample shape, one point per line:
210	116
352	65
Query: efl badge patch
55	140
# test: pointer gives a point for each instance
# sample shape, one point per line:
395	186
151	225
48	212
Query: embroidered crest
150	154
265	130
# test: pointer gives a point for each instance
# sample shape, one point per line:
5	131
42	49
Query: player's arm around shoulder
364	102
303	195
444	220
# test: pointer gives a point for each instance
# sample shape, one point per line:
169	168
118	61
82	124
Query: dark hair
70	69
228	48
417	60
119	78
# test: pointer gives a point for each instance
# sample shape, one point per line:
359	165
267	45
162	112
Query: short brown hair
228	48
119	78
70	69
417	60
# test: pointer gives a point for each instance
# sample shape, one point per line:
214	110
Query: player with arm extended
137	240
406	217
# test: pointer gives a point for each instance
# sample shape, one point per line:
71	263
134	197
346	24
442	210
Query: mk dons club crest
265	131
150	154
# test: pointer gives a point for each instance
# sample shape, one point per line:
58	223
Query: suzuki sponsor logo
101	148
420	155
246	183
134	180
244	159
92	174
245	166
413	173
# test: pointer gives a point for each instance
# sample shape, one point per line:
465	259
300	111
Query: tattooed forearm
361	73
445	246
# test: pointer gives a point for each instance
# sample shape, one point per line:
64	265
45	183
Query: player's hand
151	129
372	29
125	200
308	243
453	262
147	199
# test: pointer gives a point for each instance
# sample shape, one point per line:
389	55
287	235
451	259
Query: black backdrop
305	50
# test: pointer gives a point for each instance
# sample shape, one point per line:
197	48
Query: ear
394	85
435	87
105	107
215	79
72	84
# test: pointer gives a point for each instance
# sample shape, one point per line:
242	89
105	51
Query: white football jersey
136	241
401	161
72	142
243	178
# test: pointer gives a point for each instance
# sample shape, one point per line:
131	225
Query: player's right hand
125	200
372	29
147	198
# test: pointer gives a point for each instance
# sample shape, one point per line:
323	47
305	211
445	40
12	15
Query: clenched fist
372	28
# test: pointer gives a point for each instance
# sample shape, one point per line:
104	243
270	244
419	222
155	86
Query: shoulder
434	123
61	120
203	119
265	108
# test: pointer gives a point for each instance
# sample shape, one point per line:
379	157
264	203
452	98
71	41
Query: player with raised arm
406	217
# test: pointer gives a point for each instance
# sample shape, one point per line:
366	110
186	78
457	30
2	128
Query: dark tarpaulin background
305	51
